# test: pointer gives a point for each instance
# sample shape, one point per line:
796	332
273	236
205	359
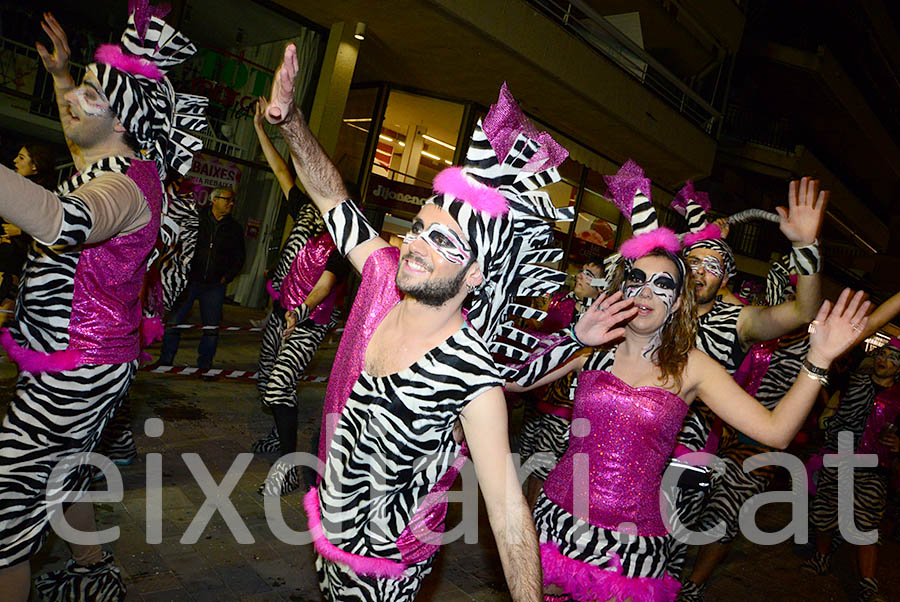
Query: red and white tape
216	372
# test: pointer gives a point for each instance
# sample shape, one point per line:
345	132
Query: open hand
597	326
57	62
802	219
259	115
281	101
836	328
290	319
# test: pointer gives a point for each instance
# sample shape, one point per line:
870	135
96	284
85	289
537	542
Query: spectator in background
217	260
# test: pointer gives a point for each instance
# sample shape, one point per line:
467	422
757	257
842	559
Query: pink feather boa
381	568
595	584
114	56
32	361
709	231
640	245
152	330
453	181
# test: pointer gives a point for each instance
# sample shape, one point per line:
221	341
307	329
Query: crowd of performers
644	362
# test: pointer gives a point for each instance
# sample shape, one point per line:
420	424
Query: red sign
391	194
253	227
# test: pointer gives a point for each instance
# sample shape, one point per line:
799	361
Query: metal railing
746	125
588	25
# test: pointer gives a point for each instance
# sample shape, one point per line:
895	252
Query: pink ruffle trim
112	55
708	232
453	181
591	583
381	568
152	330
32	361
272	292
640	245
688	194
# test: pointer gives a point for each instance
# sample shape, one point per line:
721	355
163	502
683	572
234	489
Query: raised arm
800	223
353	235
880	316
276	163
484	422
57	64
835	331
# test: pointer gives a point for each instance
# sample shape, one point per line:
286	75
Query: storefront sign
391	194
210	173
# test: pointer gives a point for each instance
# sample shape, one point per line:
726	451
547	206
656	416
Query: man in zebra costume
304	289
412	374
75	337
869	409
726	331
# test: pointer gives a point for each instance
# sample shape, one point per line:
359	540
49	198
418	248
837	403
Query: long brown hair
44	160
679	333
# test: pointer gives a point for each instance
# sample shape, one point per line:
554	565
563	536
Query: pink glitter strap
381	568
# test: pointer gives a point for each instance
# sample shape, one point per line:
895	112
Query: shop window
351	145
596	225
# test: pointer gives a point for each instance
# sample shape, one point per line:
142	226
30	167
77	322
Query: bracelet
807	260
822	380
812	368
575	336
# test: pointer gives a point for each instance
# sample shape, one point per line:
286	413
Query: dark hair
132	142
44	160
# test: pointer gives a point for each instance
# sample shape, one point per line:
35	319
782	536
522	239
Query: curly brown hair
679	333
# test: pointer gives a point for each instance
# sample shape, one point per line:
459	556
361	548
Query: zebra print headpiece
506	220
133	78
694	205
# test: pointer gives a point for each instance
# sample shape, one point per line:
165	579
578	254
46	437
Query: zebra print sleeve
806	260
348	227
553	352
77	223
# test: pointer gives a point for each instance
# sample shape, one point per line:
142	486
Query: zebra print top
307	224
853	411
178	231
717	335
785	365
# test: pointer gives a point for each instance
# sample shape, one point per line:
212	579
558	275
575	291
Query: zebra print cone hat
133	78
506	220
694	206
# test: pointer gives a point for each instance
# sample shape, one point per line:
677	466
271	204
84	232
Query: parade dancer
868	410
305	287
412	374
726	331
75	336
602	535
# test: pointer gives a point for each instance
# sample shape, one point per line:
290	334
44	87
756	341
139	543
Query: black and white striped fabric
853	411
348	227
308	224
163	122
45	424
179	228
291	361
807	260
869	500
47	288
641	556
340	585
268	349
719	246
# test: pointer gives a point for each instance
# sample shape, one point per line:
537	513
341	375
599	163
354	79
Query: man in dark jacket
218	259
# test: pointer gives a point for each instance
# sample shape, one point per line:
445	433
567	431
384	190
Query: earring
470	288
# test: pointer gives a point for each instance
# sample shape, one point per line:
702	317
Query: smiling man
75	337
412	373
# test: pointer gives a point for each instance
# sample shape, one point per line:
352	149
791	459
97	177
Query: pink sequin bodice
106	308
304	273
631	437
884	412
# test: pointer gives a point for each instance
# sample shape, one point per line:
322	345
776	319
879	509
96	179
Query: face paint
89	106
442	239
709	264
661	284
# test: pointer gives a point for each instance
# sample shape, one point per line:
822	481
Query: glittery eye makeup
709	264
89	106
442	239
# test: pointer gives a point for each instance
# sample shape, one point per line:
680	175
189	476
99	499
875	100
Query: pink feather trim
114	56
688	194
152	330
640	245
381	568
453	181
32	361
709	231
145	358
272	292
591	583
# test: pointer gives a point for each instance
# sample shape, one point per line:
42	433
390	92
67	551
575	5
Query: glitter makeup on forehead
442	239
661	284
87	105
709	263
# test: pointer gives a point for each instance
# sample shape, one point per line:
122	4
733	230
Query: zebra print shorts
52	418
340	584
869	500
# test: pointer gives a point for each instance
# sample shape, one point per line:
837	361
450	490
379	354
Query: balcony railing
588	25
